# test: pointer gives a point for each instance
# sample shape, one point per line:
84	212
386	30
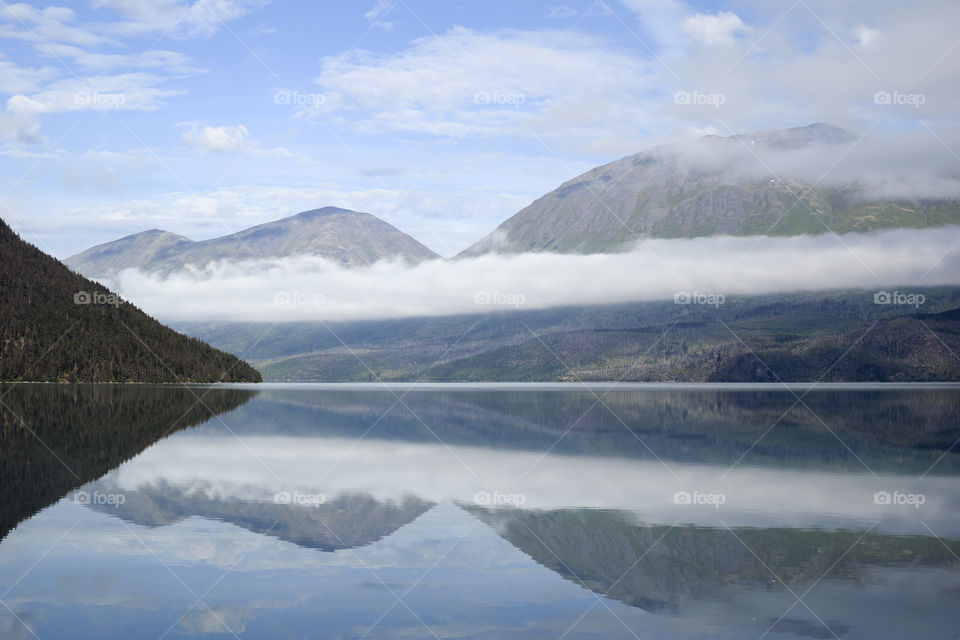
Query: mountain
146	247
715	186
57	326
841	336
348	237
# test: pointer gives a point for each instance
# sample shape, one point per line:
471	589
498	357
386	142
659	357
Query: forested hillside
57	326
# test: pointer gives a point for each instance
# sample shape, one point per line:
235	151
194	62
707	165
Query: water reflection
747	577
310	512
346	521
905	429
56	437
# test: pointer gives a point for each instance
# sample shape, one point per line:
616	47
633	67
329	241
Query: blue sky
444	118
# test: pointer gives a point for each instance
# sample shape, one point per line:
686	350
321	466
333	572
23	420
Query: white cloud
721	28
264	30
127	92
56	33
561	12
199	18
15	79
865	35
576	92
509	82
23	22
659	17
170	61
804	69
18	123
36	92
234	139
382	7
311	288
173	18
910	165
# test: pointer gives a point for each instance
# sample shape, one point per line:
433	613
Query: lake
480	511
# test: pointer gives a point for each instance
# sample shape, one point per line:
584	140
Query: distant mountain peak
155	233
348	237
715	186
322	211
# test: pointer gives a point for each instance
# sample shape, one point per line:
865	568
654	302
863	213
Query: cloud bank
907	165
305	288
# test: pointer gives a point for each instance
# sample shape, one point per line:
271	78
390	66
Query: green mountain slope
840	335
58	326
706	190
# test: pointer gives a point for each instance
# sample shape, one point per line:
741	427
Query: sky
205	117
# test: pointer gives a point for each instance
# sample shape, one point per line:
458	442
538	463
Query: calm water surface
480	511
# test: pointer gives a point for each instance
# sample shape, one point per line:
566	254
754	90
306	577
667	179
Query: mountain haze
347	237
828	336
717	186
